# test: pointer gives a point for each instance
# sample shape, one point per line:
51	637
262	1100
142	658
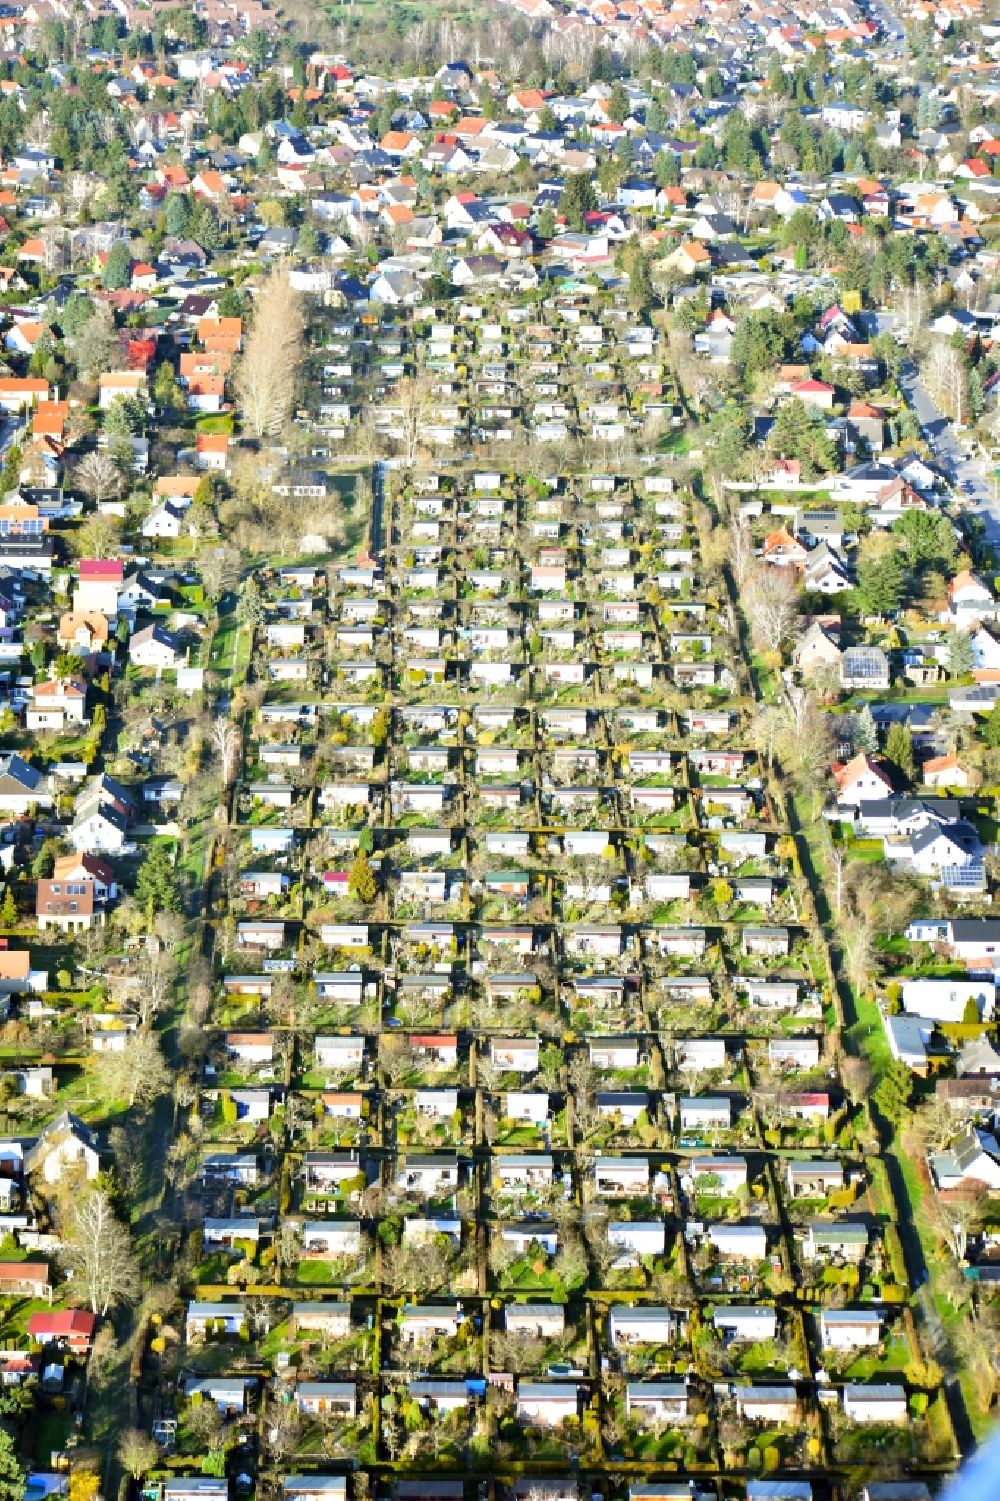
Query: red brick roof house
71	1327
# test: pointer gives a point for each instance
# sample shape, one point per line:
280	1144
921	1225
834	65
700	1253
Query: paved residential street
965	474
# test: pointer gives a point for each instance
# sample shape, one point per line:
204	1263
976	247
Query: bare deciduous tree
766	729
516	1352
156	976
227	745
96	342
952	1219
395	1057
98	1249
412	397
910	303
944	372
220	571
740	549
487	1073
288	1245
265	376
770	598
859	951
807	743
138	1452
931	1129
138	1073
283	1426
98	476
838	866
798	733
77	191
427	1265
126	1150
205	1422
856	1077
103	1356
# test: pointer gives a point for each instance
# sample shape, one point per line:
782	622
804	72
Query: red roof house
106	570
72	1327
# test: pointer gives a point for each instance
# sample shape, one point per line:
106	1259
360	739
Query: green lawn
800	497
52	1429
15	1315
315	1274
229	654
868	1033
676	442
880	1365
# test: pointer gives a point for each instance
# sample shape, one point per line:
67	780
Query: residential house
875	1403
850	1328
65	1143
750	1322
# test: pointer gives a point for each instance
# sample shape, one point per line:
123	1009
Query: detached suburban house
768	1404
749	1323
325	1398
229	1393
116	383
428	1321
25	1279
849	1328
875	1403
69	1328
22	786
225	1318
17	975
311	1488
64	1144
535	1320
814	1177
155	647
657	1401
621	1177
66	905
643	1324
547	1403
333	1319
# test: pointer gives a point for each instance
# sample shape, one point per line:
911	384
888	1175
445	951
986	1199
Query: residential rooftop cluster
499	750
